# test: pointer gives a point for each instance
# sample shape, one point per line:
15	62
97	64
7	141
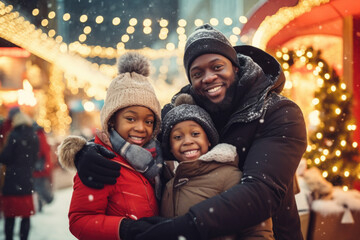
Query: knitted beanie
184	110
131	88
206	39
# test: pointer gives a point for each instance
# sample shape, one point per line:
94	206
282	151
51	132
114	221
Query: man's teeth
214	89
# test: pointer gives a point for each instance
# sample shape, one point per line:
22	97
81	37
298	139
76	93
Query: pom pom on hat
133	62
131	88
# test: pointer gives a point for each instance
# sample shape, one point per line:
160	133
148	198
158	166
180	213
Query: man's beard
225	106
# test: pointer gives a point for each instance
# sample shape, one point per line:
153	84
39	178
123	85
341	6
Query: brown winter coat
210	175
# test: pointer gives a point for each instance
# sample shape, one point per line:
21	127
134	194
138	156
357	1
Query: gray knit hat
206	39
183	110
131	88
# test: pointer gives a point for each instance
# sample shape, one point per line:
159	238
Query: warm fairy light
320	64
147	30
51	33
236	30
317	160
51	15
163	23
337	111
337	153
322	158
345	188
327	76
44	22
343	143
285	65
133	21
214	21
35	12
343	97
99	19
346	173
198	22
82	37
354	144
351	127
315	101
278	54
66	17
180	30
320	82
319	135
286	57
325	174
170	46
116	21
147	22
243	19
228	21
233	39
125	38
309	54
83	18
89	106
87	30
326	152
182	22
130	29
333	88
334	169
343	86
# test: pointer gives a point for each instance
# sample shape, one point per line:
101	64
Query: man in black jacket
239	87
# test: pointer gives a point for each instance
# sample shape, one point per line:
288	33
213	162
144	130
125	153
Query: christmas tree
331	148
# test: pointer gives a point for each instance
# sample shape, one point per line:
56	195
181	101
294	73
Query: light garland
274	23
328	143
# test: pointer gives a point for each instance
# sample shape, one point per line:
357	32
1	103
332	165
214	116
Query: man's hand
94	167
170	229
130	228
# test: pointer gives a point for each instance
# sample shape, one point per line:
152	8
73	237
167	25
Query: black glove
171	229
130	228
93	166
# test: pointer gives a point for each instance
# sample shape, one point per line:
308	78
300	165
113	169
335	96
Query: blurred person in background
5	128
19	156
43	170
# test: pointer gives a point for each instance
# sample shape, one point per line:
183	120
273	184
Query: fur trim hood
67	150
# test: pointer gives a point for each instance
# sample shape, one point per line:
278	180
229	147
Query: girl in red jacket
130	120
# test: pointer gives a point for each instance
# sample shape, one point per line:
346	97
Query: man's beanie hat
206	39
131	87
185	109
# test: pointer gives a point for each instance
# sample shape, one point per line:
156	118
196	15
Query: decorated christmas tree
330	146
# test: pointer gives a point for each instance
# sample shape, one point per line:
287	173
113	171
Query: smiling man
239	87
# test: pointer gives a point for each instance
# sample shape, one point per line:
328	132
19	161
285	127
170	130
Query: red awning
326	19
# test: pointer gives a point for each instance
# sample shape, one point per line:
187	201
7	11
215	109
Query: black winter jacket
269	133
19	156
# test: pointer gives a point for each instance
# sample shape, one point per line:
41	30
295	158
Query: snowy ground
50	224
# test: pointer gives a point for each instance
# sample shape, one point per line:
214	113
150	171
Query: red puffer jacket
97	213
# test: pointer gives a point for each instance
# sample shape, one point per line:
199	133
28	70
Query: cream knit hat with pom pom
131	88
